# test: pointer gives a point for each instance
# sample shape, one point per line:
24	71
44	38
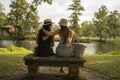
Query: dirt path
89	76
86	74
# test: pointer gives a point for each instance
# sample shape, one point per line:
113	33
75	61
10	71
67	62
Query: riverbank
105	67
91	48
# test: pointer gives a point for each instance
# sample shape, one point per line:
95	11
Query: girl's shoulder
71	31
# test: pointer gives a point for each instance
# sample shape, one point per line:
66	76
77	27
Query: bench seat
72	63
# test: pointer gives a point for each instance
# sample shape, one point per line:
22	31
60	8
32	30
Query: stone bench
73	64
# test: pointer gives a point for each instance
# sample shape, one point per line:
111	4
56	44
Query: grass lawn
12	64
108	66
11	61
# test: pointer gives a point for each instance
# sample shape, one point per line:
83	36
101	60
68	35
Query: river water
91	48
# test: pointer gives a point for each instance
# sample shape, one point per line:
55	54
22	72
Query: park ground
97	67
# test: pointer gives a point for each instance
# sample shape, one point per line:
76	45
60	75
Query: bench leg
32	70
74	71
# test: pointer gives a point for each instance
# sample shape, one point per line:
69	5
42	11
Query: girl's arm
51	33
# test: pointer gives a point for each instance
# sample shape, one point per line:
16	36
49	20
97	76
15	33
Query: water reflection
6	43
26	44
90	47
107	47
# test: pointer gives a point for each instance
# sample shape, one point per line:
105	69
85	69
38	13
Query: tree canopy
3	17
100	21
38	2
24	17
76	9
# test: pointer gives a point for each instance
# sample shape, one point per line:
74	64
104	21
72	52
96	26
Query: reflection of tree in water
106	47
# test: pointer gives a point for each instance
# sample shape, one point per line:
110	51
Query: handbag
78	50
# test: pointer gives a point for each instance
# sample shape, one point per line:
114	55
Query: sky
58	9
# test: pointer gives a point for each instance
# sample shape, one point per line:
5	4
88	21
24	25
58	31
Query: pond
91	48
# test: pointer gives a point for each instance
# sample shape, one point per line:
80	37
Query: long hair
46	27
42	34
64	33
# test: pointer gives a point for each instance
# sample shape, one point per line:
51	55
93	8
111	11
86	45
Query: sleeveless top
64	50
44	48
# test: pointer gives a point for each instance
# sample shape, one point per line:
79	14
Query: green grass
106	65
11	61
14	50
12	64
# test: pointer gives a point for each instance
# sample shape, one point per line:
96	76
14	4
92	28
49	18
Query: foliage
107	24
114	24
25	18
74	18
100	21
76	8
14	50
88	29
38	2
55	27
5	38
3	17
113	53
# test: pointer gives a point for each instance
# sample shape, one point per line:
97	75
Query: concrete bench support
73	64
32	70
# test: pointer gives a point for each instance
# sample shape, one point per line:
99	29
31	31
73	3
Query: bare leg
62	69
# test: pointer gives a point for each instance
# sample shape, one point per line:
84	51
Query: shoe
62	70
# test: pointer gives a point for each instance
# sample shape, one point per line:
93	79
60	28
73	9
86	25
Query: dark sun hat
47	22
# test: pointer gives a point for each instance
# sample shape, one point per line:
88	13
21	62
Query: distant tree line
104	25
24	17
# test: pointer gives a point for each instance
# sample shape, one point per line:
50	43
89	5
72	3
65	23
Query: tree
32	18
38	2
74	18
114	24
24	17
3	17
100	21
88	29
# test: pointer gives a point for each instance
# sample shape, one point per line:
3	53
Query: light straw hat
63	22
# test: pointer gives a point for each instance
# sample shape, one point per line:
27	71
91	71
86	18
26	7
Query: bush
14	50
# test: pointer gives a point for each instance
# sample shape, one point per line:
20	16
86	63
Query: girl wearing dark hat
44	42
